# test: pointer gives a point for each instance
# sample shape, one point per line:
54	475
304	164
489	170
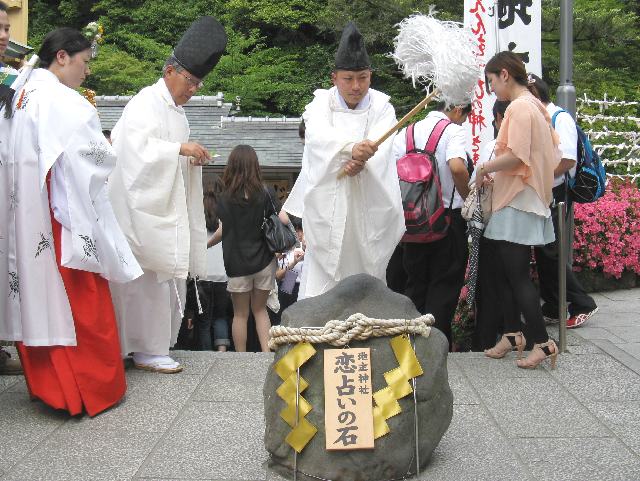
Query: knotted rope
356	327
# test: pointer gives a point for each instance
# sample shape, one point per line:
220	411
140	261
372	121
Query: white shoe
154	363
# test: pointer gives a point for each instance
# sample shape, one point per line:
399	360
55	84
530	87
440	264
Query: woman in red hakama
91	374
63	244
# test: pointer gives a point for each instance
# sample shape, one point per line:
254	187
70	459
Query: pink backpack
425	216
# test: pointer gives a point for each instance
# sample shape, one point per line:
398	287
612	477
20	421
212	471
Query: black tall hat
201	46
352	54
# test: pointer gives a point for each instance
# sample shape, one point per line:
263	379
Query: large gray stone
393	456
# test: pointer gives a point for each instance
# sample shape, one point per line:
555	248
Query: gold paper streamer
398	385
286	369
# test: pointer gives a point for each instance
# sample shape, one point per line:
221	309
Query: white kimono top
352	225
53	128
156	193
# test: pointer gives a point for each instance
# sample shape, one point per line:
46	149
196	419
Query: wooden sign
348	404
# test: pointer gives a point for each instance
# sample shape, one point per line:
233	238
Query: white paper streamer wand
440	55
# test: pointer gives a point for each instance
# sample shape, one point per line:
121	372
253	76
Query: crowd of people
99	239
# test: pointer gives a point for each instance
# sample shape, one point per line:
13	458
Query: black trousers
491	312
435	273
516	292
396	275
547	264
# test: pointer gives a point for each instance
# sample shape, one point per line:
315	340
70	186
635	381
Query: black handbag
279	237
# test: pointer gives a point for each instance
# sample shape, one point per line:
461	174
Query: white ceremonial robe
352	225
158	200
53	128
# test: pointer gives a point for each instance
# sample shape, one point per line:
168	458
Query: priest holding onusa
352	222
156	192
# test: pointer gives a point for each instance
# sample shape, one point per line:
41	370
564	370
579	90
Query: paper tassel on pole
286	368
398	385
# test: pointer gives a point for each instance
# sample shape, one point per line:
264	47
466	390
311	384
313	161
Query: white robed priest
156	192
352	223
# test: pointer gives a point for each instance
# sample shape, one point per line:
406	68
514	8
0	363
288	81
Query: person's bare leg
263	324
241	304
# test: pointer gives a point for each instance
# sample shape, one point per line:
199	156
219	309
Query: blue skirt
520	227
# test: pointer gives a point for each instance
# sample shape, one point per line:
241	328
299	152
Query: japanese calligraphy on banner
499	25
348	403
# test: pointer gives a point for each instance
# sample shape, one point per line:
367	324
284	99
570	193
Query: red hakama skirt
89	376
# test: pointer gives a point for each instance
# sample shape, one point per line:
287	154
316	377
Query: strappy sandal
534	359
514	341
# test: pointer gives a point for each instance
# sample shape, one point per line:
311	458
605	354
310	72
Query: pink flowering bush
607	232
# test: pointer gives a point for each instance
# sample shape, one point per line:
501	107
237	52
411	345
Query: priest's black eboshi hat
352	54
201	46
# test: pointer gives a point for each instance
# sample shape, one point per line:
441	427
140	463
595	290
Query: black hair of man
3	7
296	222
442	107
540	88
301	130
500	107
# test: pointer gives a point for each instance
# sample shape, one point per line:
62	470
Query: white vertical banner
499	25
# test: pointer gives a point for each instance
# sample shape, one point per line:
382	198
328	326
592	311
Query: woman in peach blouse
526	155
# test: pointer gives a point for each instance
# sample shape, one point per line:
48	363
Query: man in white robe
156	191
352	223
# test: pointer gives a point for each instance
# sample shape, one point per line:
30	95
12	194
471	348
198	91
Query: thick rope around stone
356	327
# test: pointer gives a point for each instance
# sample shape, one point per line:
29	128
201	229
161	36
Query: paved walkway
580	422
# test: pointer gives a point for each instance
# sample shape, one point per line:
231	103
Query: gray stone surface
473	449
579	422
622	418
632	348
597	378
549	411
212	441
226	372
578	459
395	458
72	453
23	425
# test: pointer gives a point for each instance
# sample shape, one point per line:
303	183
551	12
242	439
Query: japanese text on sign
348	401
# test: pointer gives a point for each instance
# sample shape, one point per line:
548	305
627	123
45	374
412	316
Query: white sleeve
59	198
456	147
487	153
566	128
400	144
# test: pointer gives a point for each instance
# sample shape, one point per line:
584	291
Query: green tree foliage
606	40
280	51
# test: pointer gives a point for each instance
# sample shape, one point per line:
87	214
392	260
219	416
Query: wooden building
215	124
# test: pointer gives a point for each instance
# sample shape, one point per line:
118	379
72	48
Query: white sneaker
154	363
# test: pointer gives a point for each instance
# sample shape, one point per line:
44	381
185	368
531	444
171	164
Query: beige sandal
514	341
539	353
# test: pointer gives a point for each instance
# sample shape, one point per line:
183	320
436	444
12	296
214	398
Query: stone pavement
580	422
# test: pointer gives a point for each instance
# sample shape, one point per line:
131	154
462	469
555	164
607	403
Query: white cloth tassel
195	284
175	289
438	54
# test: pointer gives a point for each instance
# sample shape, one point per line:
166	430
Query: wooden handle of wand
401	123
405	120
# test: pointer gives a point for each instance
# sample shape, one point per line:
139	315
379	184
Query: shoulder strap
553	118
435	136
411	145
268	196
